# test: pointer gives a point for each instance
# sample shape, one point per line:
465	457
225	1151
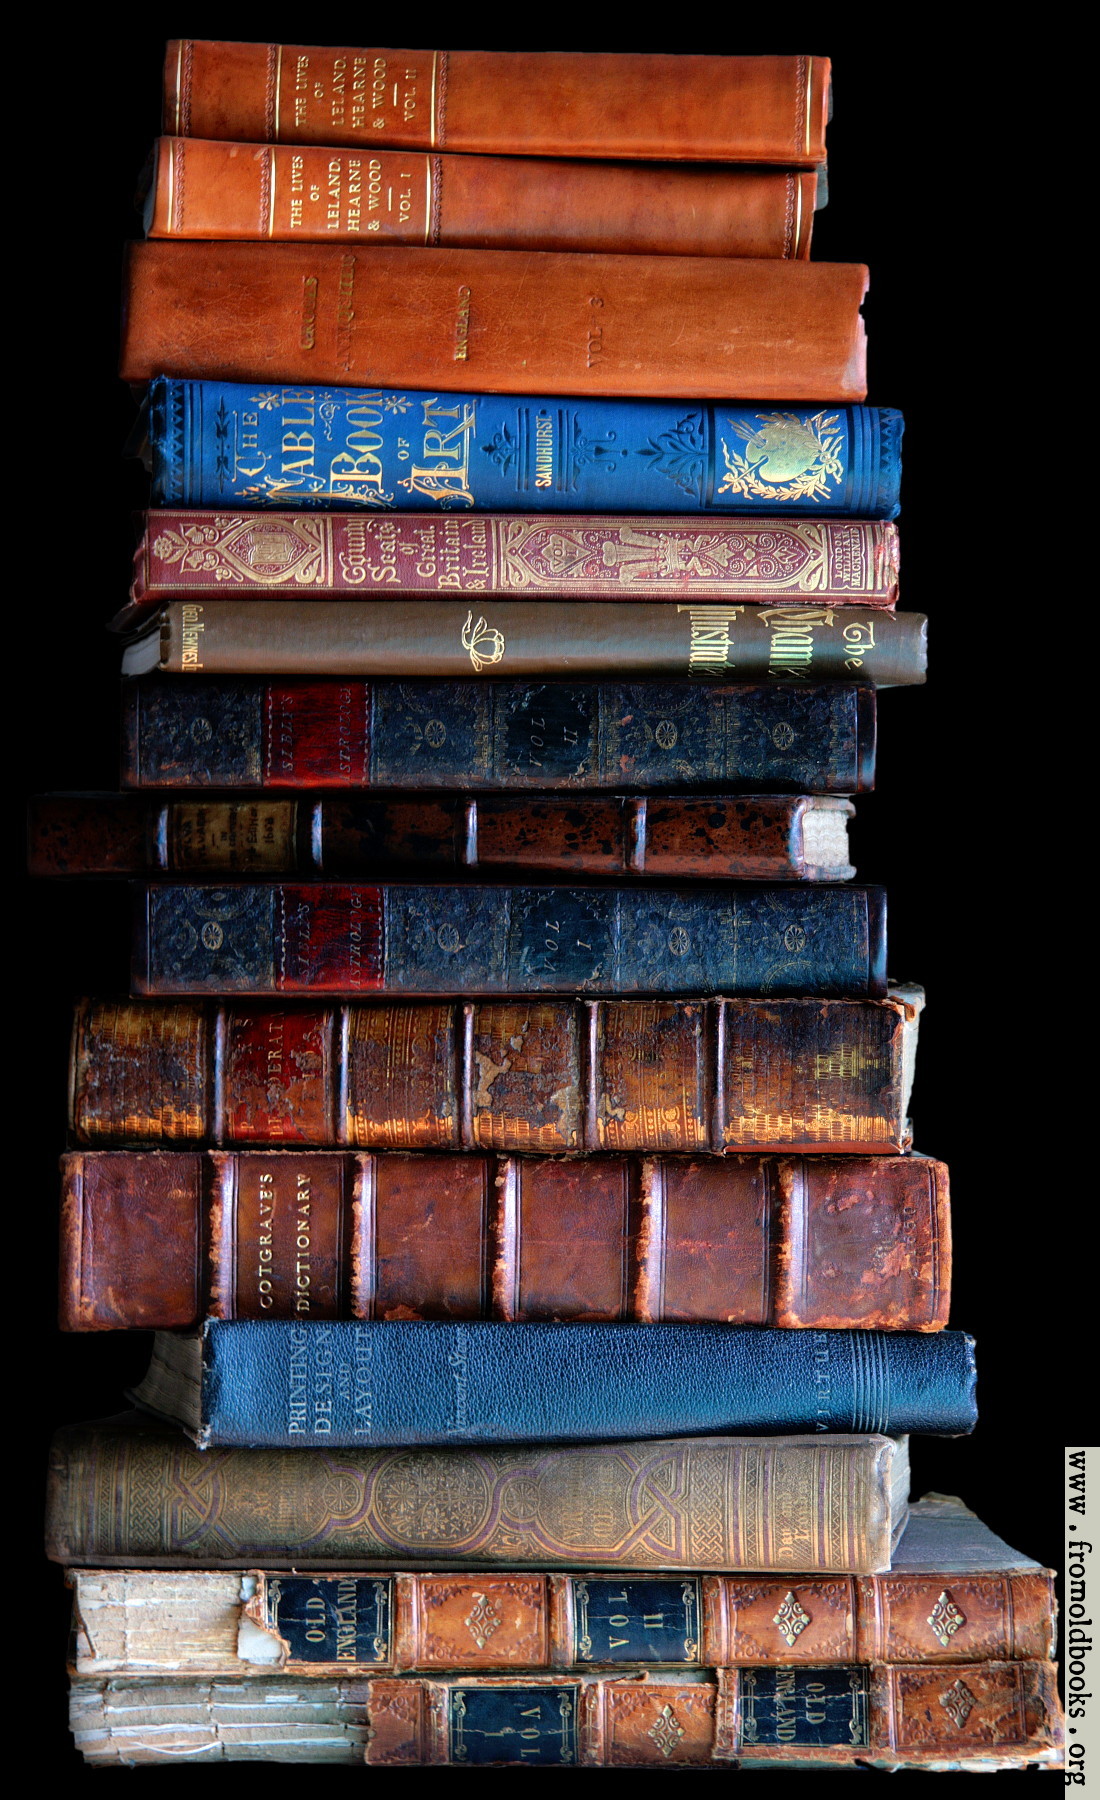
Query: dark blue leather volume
311	1382
399	938
216	443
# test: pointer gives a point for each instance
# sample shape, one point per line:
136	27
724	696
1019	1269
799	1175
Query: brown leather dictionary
508	321
454	638
126	1492
205	189
955	1593
545	1076
974	1717
765	837
158	1238
754	109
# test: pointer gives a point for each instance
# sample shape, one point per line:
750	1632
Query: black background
963	829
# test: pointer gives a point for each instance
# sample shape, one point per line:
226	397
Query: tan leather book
755	109
504	321
955	1593
368	196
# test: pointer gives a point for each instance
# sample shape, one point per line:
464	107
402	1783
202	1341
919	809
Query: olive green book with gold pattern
127	1491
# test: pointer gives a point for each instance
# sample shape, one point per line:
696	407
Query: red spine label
330	940
317	733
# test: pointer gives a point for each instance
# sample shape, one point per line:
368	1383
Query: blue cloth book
316	1382
217	444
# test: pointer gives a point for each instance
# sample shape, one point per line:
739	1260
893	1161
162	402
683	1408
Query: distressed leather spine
157	1239
818	563
556	1077
222	444
754	109
708	639
398	938
312	194
992	1715
659	736
765	838
513	321
130	1493
194	1622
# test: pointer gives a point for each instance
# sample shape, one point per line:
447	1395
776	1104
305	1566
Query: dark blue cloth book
315	1382
218	444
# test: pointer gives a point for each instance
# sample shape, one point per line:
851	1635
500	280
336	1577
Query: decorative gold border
809	99
435	73
279	94
428	195
180	42
171	209
272	165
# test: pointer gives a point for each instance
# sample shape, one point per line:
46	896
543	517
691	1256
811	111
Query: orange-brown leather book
553	1076
506	321
955	1593
755	109
204	189
157	1239
974	1717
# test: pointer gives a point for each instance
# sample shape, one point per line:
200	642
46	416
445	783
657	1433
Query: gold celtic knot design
666	1731
945	1619
958	1703
791	1619
481	1621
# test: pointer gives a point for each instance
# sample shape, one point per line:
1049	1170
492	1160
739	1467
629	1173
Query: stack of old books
507	1138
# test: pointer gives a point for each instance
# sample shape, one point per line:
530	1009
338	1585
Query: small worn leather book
311	635
973	1717
555	1077
296	1382
311	194
762	838
224	443
754	109
394	938
156	1238
573	736
955	1593
818	563
512	321
130	1492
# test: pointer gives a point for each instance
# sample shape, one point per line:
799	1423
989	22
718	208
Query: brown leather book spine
412	638
992	1716
190	1621
902	1715
755	109
547	1076
313	194
943	1617
763	838
158	1239
513	322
